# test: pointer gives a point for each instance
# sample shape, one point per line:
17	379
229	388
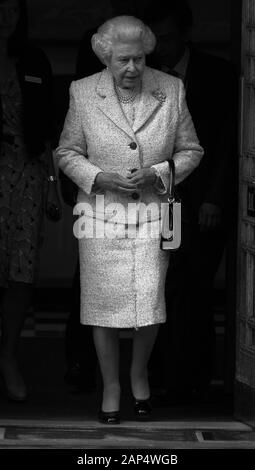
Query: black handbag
171	216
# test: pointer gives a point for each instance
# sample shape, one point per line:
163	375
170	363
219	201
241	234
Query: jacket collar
153	96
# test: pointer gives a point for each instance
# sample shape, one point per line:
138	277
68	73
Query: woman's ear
107	61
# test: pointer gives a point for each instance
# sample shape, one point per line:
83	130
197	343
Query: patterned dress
21	194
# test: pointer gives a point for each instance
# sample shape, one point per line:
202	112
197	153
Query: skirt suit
122	266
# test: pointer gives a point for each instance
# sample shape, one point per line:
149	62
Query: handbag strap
171	164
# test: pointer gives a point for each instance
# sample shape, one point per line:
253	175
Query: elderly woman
122	127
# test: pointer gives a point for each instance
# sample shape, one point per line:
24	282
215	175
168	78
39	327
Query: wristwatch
52	179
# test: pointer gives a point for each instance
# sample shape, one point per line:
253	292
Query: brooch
159	95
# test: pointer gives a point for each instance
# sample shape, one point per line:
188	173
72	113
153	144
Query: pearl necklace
126	99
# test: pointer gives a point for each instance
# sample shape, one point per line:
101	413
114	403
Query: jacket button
135	196
133	145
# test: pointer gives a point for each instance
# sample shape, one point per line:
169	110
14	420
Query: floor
56	417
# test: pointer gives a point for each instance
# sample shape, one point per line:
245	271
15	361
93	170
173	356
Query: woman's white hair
121	29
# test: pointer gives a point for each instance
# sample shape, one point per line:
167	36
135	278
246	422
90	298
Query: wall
58	25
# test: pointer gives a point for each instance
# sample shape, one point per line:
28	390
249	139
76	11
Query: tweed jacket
97	137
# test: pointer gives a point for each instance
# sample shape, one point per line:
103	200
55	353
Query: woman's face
9	15
127	63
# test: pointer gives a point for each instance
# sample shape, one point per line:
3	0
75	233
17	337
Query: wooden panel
245	356
245	402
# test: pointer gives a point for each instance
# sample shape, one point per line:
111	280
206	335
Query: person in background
186	343
122	127
26	169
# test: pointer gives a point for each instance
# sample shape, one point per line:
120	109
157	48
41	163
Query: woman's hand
209	216
143	178
114	182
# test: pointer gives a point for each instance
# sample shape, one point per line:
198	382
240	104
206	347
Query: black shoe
109	417
142	408
12	384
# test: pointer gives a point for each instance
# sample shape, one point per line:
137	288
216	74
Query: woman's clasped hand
137	180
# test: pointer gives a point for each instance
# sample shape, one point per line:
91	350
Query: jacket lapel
109	104
152	99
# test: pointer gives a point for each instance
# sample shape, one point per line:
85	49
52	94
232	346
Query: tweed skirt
122	276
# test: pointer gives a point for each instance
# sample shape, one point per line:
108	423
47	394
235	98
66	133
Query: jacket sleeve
72	150
187	151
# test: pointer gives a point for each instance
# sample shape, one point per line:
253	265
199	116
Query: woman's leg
14	305
143	342
107	348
